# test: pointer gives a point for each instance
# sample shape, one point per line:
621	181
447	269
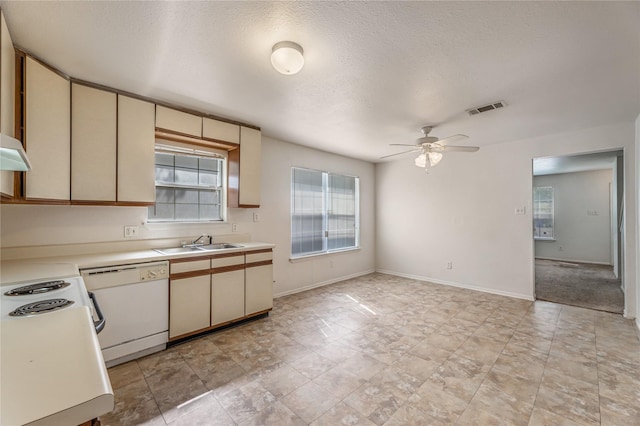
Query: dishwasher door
135	301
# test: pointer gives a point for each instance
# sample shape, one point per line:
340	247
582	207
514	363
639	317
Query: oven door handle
99	325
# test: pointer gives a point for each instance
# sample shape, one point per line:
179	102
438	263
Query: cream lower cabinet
227	288
210	292
227	296
189	296
258	282
189	305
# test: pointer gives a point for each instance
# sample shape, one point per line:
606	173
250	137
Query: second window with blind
324	212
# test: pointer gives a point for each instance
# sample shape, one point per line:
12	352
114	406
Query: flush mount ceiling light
287	58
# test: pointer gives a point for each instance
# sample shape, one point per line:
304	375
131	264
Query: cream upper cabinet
250	167
93	144
220	131
136	140
7	97
178	122
47	133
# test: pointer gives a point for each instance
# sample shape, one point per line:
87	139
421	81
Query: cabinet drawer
259	257
228	261
196	265
178	121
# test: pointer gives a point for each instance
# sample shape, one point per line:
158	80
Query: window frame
200	152
536	212
325	215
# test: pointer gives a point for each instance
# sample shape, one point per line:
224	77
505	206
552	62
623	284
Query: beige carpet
579	284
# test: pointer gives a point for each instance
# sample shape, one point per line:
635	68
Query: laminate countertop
52	371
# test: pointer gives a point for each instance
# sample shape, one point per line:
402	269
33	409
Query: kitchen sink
219	246
178	250
196	249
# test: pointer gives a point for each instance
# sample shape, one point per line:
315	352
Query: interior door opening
578	210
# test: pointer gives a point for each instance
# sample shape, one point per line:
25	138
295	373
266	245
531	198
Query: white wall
463	211
33	225
579	236
278	158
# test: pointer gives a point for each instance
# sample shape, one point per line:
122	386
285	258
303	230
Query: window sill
326	253
543	239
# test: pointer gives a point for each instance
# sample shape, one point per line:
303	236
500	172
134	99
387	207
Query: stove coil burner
40	307
38	288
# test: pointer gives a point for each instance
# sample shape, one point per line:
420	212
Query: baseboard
323	283
458	285
557	259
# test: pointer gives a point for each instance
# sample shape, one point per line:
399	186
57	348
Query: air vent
485	108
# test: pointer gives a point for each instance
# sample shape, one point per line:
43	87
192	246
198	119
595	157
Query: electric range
40	297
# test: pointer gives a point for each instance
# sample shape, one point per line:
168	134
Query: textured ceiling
375	72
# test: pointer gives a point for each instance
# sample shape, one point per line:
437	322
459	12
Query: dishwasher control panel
154	273
119	275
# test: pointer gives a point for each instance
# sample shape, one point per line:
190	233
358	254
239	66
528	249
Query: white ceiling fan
431	148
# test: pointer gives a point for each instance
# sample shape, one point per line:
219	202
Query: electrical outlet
520	210
256	217
130	231
234	227
449	265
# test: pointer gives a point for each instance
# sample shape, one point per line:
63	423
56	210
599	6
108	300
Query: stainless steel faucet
195	242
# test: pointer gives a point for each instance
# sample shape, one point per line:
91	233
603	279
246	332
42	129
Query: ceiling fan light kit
431	148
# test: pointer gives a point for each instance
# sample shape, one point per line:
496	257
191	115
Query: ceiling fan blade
400	153
453	138
460	148
403	144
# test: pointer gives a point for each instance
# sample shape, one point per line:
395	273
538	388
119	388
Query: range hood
12	155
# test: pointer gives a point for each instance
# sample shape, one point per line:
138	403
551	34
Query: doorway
577	222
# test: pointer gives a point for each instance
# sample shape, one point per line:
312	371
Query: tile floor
386	350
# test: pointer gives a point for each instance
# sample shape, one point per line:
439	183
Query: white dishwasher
135	301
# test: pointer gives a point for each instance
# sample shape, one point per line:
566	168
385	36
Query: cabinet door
178	122
220	131
259	288
47	136
136	151
93	144
250	167
227	296
7	96
189	308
